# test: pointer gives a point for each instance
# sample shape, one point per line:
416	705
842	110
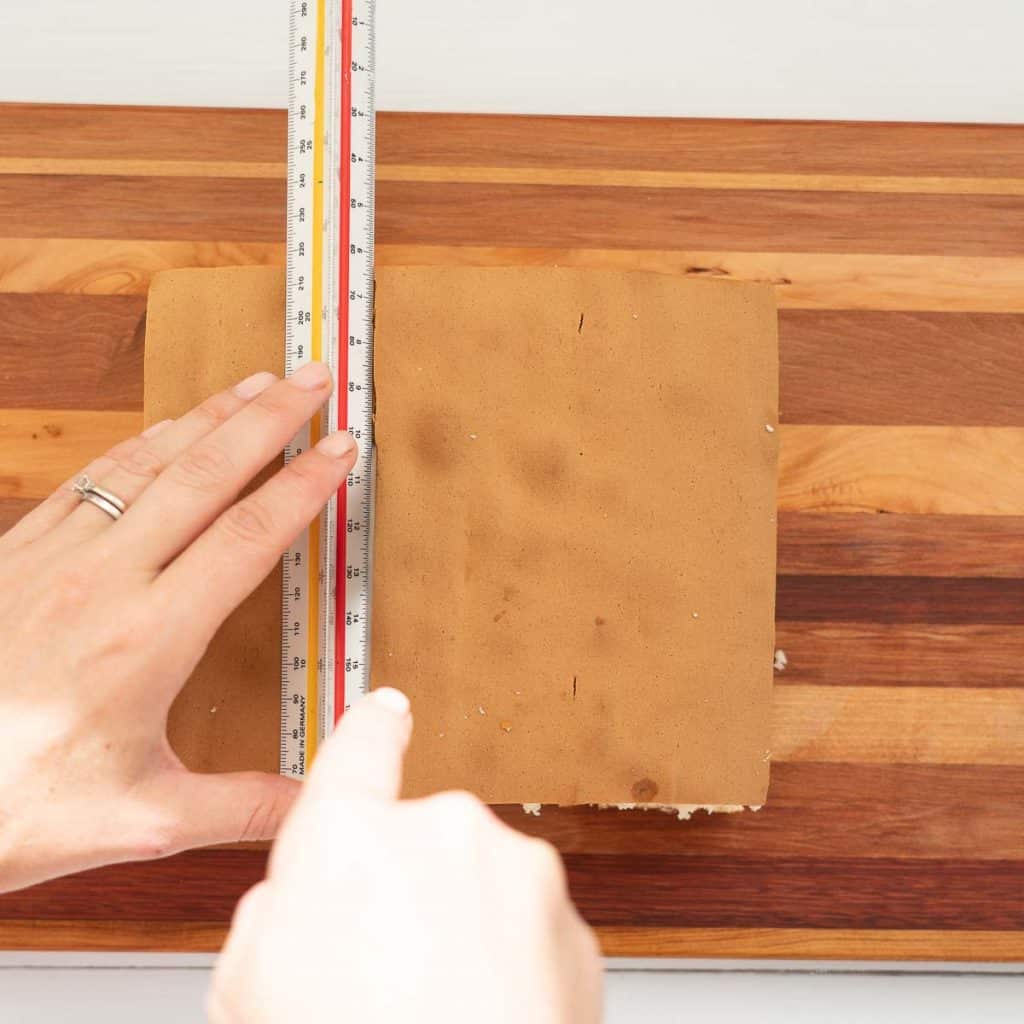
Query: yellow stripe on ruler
315	426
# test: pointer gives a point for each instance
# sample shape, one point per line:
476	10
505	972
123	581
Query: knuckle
156	839
250	521
206	467
275	403
544	861
216	409
142	462
303	479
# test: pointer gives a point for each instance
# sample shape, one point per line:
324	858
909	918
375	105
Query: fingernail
392	699
156	428
254	385
336	445
310	377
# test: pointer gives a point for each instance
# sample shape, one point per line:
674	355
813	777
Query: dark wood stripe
202	885
866	544
900	599
72	351
141	133
867	654
671	890
808	892
693	144
96	206
644	218
933	812
868	367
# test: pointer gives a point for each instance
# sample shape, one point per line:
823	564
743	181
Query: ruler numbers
329	315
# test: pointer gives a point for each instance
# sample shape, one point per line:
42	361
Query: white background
934	60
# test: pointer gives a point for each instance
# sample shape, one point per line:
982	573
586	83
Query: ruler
325	607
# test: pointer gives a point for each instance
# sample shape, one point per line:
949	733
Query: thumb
364	755
229	807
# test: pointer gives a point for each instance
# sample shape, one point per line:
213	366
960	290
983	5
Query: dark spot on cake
500	615
598	621
644	791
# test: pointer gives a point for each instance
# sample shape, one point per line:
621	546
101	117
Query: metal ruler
326	594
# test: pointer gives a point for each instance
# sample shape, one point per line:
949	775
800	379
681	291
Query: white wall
868	59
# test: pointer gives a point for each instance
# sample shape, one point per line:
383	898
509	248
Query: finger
198	485
56	508
230	807
364	755
134	471
223	566
230	992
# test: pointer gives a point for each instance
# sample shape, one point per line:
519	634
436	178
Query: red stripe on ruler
345	172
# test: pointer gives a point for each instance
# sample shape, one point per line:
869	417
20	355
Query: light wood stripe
813	943
112	936
571	176
143	168
88	266
901	725
755	943
976	470
625	178
40	448
972	470
802	280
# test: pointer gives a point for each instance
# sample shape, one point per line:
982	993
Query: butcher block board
894	822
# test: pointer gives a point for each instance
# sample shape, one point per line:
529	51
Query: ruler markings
330	316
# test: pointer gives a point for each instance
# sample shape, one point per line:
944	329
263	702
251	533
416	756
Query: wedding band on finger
99	496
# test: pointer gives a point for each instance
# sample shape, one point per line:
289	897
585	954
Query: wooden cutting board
894	823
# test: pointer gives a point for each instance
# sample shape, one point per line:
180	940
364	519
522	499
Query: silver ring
99	496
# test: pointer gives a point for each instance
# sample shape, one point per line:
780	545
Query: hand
101	623
381	911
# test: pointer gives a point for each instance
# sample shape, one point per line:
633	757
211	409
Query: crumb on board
506	726
533	809
781	661
481	710
769	428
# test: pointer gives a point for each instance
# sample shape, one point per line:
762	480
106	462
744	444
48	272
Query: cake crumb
481	710
769	428
533	809
506	726
781	661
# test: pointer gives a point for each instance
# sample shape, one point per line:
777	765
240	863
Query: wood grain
935	368
105	266
699	144
813	943
938	470
862	544
960	470
807	147
900	599
820	810
184	209
896	253
621	941
637	218
802	892
901	368
90	266
901	654
93	343
898	725
44	448
641	890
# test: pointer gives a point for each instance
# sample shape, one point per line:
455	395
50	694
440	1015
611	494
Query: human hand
101	623
385	911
